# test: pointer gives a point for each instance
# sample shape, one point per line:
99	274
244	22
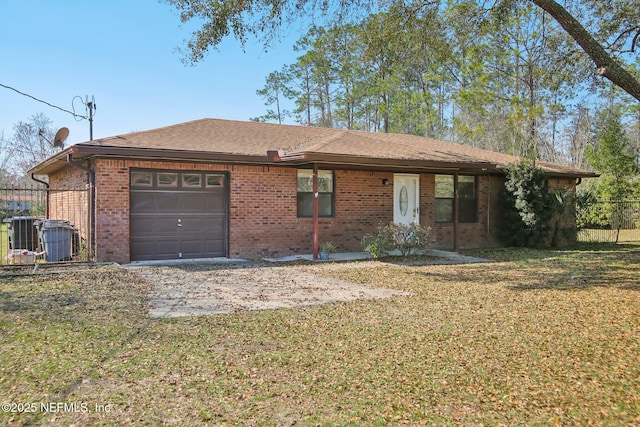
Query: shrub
533	216
408	239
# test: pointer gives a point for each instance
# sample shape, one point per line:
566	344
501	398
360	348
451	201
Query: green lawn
537	338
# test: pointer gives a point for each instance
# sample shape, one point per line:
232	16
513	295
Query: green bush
408	239
533	216
590	213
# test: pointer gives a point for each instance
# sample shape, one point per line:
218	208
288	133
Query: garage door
178	215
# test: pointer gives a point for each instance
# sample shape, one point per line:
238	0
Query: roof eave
92	150
51	164
81	152
380	163
329	160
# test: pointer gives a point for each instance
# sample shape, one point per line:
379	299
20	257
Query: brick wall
262	209
263	213
68	199
565	222
482	233
112	210
362	202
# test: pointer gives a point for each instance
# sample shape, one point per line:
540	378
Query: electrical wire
45	102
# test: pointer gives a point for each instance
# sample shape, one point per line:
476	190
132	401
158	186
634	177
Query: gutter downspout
91	177
46	184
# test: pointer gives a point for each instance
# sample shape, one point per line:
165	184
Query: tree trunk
606	65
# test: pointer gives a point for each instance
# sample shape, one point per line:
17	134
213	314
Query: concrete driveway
204	289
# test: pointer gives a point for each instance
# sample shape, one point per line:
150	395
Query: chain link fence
609	221
44	225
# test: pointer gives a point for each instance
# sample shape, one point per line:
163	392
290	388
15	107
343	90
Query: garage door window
167	179
215	181
141	179
190	180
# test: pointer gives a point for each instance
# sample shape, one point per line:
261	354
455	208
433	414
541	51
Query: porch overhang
345	161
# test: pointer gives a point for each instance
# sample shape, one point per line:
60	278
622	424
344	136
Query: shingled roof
266	143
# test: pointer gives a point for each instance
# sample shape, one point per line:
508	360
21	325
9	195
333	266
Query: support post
315	212
456	206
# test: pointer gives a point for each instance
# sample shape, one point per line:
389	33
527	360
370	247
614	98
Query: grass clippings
536	338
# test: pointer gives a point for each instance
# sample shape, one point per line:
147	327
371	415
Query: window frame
161	184
451	200
331	193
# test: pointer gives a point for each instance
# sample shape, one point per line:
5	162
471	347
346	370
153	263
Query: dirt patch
202	290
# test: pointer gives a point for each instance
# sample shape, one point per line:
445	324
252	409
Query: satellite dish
61	137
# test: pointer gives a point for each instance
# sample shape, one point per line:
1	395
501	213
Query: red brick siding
568	219
263	213
477	234
362	202
112	210
68	199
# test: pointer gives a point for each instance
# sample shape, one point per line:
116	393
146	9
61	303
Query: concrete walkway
443	257
446	257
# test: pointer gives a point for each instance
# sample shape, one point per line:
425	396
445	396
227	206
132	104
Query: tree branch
606	65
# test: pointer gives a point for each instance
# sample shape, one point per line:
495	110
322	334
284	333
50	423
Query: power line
44	102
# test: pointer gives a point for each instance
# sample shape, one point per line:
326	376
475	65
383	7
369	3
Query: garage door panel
213	205
142	203
178	222
142	250
168	202
192	248
153	226
215	224
142	225
166	247
192	224
215	245
195	202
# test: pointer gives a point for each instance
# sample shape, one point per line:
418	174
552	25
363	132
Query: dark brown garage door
178	215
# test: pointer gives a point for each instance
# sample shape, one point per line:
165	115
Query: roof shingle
229	137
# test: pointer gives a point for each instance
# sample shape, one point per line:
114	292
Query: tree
222	18
612	152
5	155
613	155
29	144
274	92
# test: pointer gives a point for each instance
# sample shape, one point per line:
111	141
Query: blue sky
123	53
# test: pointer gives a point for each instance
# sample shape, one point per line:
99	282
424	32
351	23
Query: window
191	180
142	179
167	179
305	193
467	207
215	180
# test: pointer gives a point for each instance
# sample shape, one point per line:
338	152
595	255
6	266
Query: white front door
406	195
